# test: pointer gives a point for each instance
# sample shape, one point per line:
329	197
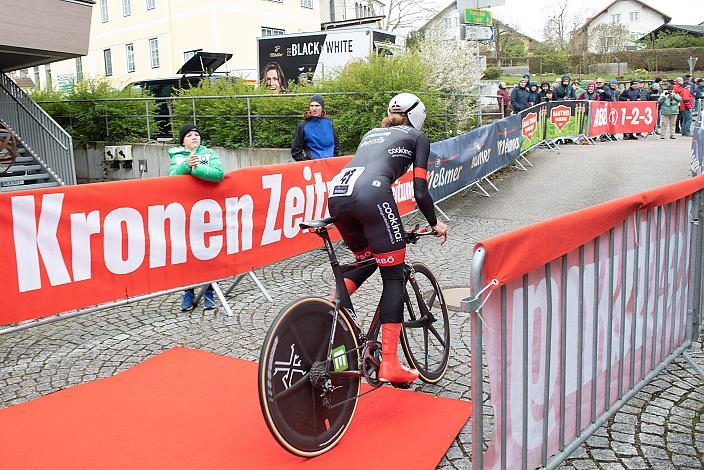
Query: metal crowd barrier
648	313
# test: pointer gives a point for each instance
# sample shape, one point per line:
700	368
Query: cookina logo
400	151
393	221
560	116
529	125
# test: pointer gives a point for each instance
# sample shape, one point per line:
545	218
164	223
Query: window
307	3
151	4
188	54
634	16
103	11
79	69
126	7
129	53
107	60
451	23
266	31
616	18
37	82
154	52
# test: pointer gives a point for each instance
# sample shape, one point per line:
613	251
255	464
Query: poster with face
305	58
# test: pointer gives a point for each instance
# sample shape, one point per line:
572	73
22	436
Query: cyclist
366	215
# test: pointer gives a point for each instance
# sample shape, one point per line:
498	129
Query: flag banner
461	161
76	246
533	126
619	117
573	335
565	119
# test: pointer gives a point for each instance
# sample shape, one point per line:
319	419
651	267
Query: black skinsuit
367	217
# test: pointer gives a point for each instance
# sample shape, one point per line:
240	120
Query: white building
133	40
343	10
637	16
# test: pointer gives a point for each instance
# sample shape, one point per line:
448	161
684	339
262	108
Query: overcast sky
529	15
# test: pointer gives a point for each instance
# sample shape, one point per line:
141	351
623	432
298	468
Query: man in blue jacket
315	137
520	96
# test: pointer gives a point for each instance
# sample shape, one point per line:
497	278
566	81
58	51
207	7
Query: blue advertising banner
461	161
697	150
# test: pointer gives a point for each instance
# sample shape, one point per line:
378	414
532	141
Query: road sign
478	33
478	17
463	4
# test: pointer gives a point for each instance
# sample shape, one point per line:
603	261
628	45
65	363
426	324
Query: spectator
615	92
520	96
644	90
682	88
315	136
533	99
576	88
547	97
544	87
654	95
581	87
564	90
669	103
503	99
590	93
192	158
698	96
630	94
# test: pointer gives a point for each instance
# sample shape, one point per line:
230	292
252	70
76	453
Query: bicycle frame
342	299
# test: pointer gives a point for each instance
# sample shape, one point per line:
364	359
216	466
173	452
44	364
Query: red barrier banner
77	246
512	254
606	117
567	340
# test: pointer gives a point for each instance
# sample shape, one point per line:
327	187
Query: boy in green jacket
669	102
192	158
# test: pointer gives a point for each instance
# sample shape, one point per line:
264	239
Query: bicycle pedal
401	385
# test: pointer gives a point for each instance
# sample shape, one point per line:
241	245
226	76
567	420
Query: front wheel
426	330
307	398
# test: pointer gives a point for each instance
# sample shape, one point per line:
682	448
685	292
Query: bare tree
405	14
560	24
609	37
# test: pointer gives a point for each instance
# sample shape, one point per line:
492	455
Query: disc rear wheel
307	398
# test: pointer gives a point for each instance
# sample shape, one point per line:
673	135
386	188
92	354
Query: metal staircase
44	149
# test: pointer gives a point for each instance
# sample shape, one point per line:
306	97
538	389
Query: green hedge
87	116
368	87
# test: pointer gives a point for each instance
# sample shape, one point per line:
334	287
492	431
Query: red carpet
189	409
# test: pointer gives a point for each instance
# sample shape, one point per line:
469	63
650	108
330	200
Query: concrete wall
91	166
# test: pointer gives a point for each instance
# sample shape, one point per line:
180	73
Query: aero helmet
409	105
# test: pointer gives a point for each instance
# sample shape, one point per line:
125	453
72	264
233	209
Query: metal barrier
482	112
48	142
570	342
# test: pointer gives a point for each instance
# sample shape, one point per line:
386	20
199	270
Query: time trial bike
315	353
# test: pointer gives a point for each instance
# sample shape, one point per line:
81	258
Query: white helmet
410	106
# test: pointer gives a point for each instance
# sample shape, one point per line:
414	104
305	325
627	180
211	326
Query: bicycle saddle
313	224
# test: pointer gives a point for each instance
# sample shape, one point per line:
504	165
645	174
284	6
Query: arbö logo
393	220
385	260
400	151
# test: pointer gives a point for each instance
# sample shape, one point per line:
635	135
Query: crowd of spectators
684	95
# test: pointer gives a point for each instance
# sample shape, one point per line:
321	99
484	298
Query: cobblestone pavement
661	427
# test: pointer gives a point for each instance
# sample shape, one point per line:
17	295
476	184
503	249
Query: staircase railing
50	144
